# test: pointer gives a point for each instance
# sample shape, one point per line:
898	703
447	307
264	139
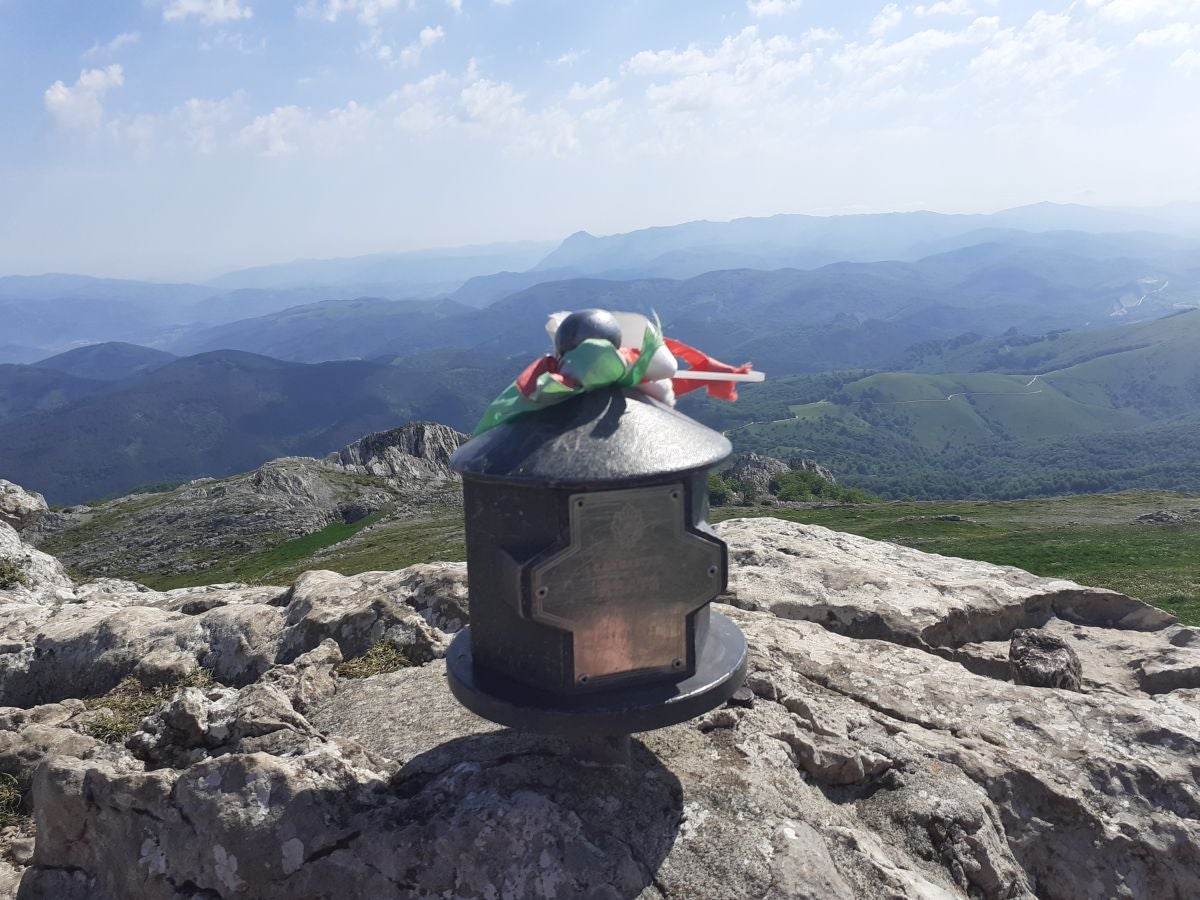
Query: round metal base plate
720	671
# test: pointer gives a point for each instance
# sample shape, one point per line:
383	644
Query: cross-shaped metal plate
627	582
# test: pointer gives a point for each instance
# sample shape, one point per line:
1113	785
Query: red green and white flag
597	363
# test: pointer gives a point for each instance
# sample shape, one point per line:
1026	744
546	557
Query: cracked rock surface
881	749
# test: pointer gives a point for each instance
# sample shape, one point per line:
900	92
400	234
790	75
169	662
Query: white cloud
945	8
288	129
234	40
569	58
1188	62
497	110
80	105
733	52
203	122
210	12
887	19
455	5
492	103
583	93
912	50
1124	12
815	36
122	40
1176	33
368	11
411	55
743	72
772	7
276	134
420	107
1040	54
373	46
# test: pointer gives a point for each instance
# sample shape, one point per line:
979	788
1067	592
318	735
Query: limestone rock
415	450
761	472
1160	517
31	576
1041	659
414	609
880	749
402	472
18	507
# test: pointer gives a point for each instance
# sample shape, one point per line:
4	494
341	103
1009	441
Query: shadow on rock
525	814
498	814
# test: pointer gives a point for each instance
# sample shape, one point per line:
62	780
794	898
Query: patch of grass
265	565
124	707
11	797
1090	538
12	574
383	656
100	525
396	545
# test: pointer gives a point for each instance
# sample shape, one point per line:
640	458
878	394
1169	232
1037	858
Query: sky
176	139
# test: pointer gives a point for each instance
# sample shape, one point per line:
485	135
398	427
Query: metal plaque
627	582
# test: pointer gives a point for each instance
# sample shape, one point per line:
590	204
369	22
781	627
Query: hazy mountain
423	273
220	413
363	328
112	361
804	242
46	288
836	316
47	314
26	389
974	422
484	290
15	353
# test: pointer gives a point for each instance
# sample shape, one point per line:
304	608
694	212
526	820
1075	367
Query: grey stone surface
419	450
400	472
18	507
761	472
881	751
1041	659
956	608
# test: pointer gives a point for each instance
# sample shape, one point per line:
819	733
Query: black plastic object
607	438
592	567
583	324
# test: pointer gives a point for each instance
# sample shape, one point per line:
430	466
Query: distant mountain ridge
424	273
223	412
1013	416
806	242
208	521
112	361
836	316
52	313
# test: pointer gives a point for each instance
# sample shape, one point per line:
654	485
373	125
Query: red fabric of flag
527	381
701	362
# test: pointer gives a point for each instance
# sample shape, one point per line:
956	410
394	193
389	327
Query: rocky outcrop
29	574
18	507
415	450
1043	660
880	749
959	609
401	472
760	472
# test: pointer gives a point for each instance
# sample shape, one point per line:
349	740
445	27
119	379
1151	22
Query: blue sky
180	138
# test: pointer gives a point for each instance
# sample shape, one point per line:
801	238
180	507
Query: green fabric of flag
594	364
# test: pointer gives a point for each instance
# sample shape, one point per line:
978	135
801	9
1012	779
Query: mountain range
198	380
1011	416
47	314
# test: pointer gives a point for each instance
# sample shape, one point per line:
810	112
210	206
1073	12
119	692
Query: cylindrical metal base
720	670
